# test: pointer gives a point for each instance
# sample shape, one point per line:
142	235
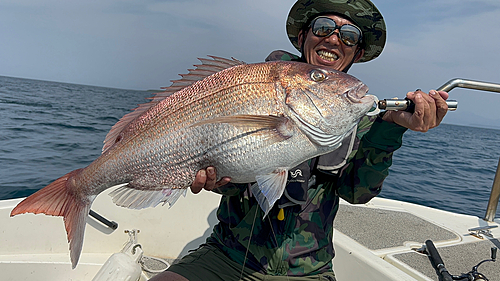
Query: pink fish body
252	122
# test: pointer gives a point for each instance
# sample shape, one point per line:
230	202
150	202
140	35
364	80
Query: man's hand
430	110
205	179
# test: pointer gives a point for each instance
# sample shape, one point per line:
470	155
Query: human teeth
328	55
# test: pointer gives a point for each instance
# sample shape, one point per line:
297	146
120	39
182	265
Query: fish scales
213	105
217	102
252	122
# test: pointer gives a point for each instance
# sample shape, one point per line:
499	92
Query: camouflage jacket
300	242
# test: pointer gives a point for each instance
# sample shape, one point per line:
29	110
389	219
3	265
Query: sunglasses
323	27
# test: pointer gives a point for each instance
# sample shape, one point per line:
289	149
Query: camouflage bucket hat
363	13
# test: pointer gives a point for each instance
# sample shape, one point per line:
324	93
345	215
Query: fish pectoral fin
269	188
280	124
130	197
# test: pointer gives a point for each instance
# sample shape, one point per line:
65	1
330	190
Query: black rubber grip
438	261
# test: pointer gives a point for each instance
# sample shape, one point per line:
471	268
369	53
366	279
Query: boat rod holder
111	224
490	87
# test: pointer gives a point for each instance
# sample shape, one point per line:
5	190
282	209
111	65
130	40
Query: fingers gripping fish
252	122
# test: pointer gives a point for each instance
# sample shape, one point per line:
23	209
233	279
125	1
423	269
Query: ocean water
48	129
449	167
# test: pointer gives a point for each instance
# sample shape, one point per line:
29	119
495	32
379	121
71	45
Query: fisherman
294	242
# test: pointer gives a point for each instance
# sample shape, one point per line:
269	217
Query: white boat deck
373	242
393	230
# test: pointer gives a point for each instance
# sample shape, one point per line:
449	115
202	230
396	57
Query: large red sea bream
252	122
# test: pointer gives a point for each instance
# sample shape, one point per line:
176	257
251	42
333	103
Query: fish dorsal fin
207	68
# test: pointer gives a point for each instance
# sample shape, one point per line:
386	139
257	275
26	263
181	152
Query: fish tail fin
58	199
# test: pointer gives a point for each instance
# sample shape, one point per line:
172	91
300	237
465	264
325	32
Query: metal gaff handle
405	104
408	105
438	262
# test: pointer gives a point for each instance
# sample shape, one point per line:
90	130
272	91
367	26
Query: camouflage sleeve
281	55
231	189
362	177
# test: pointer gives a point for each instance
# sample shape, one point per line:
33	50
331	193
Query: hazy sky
143	44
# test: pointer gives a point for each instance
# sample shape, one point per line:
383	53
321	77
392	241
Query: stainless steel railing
494	197
491	209
469	84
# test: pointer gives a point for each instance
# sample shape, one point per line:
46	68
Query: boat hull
373	241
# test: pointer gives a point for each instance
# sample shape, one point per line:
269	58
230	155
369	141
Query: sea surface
48	129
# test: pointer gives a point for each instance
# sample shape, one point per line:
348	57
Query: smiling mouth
329	56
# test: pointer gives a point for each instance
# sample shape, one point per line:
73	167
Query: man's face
329	51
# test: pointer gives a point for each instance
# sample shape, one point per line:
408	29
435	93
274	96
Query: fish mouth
357	94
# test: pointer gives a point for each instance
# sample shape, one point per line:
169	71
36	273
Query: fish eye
317	75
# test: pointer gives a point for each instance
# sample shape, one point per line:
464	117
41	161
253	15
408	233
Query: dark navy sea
48	129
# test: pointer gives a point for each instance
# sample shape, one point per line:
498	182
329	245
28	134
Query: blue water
450	168
48	129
